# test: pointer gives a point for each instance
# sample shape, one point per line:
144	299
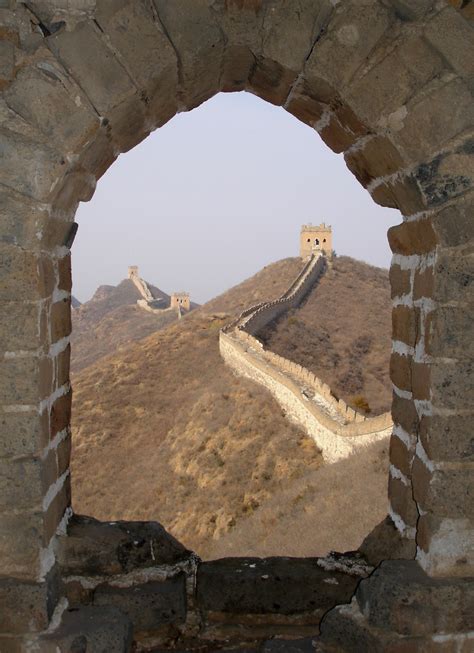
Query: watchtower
315	238
181	300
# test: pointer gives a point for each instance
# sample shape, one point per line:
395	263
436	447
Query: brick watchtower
315	238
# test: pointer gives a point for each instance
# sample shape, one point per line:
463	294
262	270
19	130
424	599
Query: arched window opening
158	408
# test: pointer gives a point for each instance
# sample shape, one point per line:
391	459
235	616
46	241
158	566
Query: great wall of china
336	428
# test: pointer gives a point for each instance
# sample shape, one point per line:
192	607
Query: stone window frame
388	83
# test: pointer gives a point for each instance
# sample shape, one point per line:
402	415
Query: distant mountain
168	432
75	303
111	320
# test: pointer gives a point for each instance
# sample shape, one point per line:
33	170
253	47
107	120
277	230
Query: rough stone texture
401	598
27	606
273	585
97	548
386	543
92	630
388	82
148	605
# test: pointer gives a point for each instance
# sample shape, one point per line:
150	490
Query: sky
215	195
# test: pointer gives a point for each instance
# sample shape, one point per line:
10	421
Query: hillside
111	320
163	430
342	333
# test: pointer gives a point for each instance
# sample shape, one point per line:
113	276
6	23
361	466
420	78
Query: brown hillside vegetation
163	430
112	319
342	333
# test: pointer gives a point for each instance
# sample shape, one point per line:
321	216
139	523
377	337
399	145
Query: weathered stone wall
256	319
387	82
336	440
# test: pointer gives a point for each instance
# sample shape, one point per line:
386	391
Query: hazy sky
216	194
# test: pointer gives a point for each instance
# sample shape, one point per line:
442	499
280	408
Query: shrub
361	403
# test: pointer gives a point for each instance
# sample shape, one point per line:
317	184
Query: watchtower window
309	240
316	240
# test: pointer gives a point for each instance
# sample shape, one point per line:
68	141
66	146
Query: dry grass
163	430
342	333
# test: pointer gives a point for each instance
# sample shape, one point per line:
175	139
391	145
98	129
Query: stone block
23	434
62	367
386	543
7	62
286	24
149	605
448	438
401	598
29	167
25	380
20	218
270	81
423	283
444	492
401	193
102	548
99	155
129	123
405	324
454	275
446	177
400	281
344	630
56	509
199	43
446	545
96	629
55	232
40	95
402	68
453	224
448	330
376	158
272	585
351	36
421	381
64	272
26	606
400	371
400	457
452	385
19	329
24	276
408	238
449	33
21	538
107	85
405	414
60	417
401	501
61	319
407	10
22	483
425	128
137	35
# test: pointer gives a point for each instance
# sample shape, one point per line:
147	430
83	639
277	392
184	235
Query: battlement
315	238
181	300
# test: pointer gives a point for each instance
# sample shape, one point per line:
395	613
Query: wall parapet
306	399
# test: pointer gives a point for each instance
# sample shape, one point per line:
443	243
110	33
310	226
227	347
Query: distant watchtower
133	271
315	238
181	300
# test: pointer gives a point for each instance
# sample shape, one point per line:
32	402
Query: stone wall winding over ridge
335	427
387	82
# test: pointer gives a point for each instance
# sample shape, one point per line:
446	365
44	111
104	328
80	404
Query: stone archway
387	82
